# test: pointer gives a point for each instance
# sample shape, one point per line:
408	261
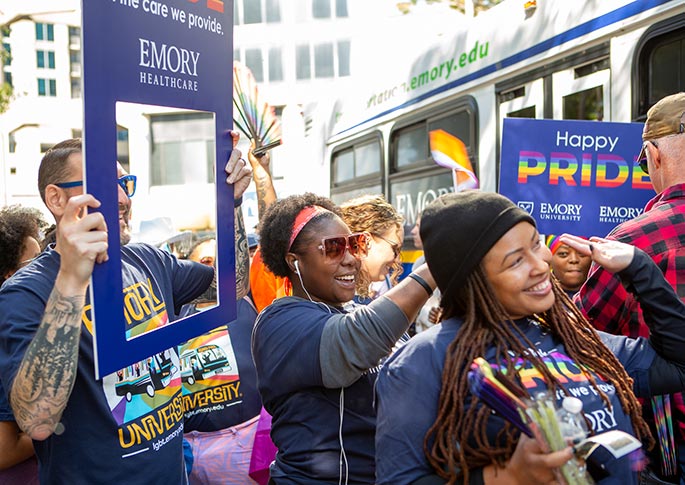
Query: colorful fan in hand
251	114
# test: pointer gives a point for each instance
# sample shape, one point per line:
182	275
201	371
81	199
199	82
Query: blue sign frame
578	177
175	53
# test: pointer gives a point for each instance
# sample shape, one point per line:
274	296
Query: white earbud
297	268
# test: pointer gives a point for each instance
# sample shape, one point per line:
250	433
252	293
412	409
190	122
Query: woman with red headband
316	354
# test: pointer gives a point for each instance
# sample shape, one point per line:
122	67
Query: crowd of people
361	370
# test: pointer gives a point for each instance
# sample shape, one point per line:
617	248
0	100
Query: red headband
305	215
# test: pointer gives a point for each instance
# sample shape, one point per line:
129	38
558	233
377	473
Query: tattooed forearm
242	256
47	372
266	194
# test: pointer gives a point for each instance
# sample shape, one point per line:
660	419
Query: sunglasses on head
127	183
334	247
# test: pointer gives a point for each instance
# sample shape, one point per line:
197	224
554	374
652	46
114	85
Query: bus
203	362
145	377
553	59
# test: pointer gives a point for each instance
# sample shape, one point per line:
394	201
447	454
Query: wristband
422	282
237	202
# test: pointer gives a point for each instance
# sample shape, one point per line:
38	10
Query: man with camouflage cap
660	232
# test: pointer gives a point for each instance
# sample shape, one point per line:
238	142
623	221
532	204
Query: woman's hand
613	256
529	465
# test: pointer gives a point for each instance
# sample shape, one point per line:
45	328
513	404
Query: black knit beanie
458	229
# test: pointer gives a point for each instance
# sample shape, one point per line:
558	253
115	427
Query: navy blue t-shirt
306	415
128	426
408	392
218	374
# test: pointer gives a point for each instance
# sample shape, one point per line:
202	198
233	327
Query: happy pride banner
574	176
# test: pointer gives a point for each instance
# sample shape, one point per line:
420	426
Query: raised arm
261	174
352	343
664	312
46	375
239	173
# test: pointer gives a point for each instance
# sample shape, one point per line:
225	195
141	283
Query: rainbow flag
450	152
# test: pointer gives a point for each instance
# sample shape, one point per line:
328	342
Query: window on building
327	62
344	48
75	62
182	148
75	87
47	87
74	35
45	31
76	133
12	143
255	62
45	59
323	61
122	147
273	11
275	64
252	11
6	54
323	9
303	62
341	8
8	78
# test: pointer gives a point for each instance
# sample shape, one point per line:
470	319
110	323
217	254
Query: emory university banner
578	177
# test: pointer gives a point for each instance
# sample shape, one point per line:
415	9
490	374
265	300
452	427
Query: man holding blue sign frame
47	361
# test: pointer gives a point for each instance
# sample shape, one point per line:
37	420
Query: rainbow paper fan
251	114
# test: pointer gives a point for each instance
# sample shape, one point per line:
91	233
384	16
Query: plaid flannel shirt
660	232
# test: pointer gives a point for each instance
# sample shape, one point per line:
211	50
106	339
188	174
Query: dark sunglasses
396	248
127	182
334	247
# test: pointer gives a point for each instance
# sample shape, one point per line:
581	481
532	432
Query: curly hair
276	227
373	214
16	224
457	440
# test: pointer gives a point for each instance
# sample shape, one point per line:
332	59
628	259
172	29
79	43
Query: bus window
357	161
412	145
584	105
410	142
367	159
356	168
582	92
343	166
660	64
525	101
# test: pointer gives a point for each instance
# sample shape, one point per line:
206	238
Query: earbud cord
305	289
343	455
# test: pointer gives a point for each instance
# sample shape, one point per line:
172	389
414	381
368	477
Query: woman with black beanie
500	303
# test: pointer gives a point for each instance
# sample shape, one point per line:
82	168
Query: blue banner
173	53
578	177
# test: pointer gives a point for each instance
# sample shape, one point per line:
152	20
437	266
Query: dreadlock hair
457	440
373	214
276	226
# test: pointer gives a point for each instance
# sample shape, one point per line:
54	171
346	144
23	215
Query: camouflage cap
666	117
